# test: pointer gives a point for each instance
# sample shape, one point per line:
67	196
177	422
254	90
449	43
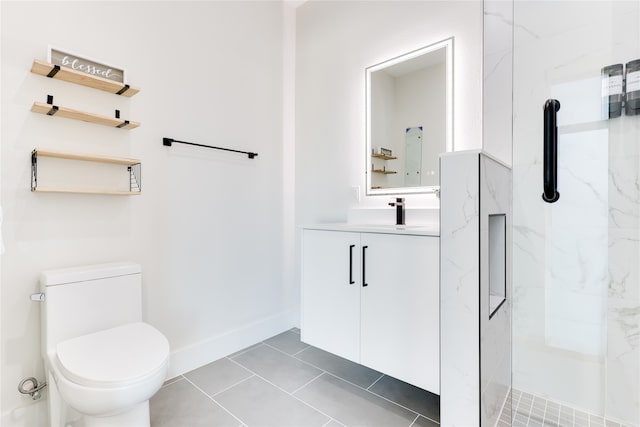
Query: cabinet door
330	317
400	308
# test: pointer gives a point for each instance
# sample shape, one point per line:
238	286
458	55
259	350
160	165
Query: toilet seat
114	357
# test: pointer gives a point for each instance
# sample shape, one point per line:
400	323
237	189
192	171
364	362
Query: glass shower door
576	261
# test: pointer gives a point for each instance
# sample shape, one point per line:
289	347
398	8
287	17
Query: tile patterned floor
284	382
535	411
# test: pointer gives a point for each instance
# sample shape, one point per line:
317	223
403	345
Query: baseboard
188	358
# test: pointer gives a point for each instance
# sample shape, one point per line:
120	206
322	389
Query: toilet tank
86	299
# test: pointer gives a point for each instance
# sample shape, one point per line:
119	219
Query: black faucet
399	204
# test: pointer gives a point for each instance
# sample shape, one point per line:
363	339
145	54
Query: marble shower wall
475	340
576	301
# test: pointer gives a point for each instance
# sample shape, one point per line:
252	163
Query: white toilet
102	362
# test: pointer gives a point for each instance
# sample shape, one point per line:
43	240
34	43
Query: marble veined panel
475	350
459	269
577	245
495	327
624	197
624	263
497	75
623	360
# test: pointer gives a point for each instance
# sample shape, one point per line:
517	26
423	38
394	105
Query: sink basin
432	229
396	227
426	229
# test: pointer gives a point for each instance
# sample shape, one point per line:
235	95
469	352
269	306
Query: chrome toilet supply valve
38	297
35	388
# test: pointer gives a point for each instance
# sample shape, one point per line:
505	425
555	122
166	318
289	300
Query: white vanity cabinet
373	298
330	302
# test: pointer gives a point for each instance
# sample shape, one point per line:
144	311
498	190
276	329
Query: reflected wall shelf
383	171
383	157
133	168
53	110
46	69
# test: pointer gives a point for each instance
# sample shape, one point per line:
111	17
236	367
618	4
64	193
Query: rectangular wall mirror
409	120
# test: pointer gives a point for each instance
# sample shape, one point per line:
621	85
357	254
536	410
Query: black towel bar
169	141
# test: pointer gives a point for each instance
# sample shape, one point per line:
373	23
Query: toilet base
138	416
63	415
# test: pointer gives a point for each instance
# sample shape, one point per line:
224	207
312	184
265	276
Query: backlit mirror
409	120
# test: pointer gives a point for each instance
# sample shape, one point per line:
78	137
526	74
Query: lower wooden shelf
64	190
50	110
133	168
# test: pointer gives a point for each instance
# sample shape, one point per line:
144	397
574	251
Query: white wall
208	227
336	41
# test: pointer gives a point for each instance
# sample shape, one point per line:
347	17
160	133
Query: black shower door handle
550	160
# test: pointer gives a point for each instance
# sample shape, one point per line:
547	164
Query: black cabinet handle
364	280
351	282
550	171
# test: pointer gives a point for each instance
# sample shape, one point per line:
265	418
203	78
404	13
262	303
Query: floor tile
352	405
343	368
288	341
217	376
424	422
333	423
181	404
296	330
244	350
172	380
282	370
414	398
258	403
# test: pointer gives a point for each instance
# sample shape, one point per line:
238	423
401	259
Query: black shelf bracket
123	90
54	108
169	141
53	71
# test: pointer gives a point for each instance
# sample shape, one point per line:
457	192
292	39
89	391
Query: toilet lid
119	355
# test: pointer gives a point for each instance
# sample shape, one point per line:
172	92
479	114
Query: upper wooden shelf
50	110
383	157
86	157
67	74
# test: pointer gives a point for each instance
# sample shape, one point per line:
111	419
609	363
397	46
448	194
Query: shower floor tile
534	411
284	382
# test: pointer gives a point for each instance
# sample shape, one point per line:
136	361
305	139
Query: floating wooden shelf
133	168
382	171
50	110
383	157
72	191
86	157
67	74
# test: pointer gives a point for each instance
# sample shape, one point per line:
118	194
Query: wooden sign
84	65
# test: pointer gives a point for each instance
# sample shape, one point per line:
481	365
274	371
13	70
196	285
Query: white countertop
417	230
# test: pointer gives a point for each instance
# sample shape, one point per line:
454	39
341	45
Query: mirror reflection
409	120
